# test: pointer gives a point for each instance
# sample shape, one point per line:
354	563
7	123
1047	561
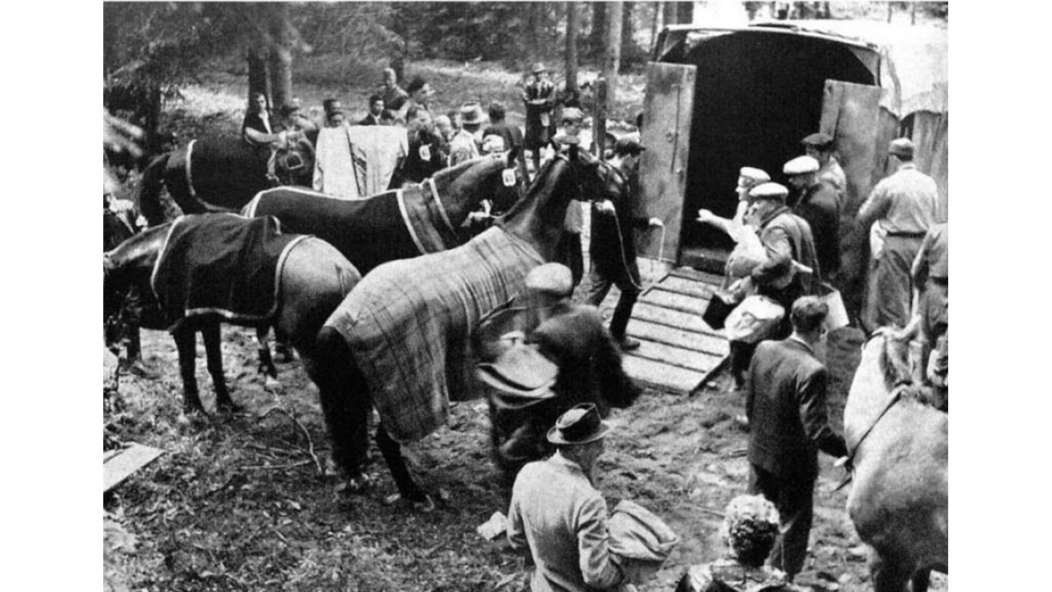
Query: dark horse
417	219
312	278
219	173
400	341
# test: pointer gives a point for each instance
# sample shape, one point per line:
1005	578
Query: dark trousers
568	252
794	499
627	281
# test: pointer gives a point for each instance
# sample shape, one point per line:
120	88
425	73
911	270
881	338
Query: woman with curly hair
749	530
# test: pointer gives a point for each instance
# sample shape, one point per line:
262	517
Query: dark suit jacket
785	401
369	119
589	360
786	237
819	206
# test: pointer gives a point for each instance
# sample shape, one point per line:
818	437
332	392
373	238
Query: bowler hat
470	113
801	165
769	191
581	424
628	146
901	147
550	278
818	140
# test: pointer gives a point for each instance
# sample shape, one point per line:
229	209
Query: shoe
628	344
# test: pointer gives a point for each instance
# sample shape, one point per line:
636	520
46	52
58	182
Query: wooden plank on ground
689	287
676	301
673	318
119	467
676	356
662	375
691	340
697	275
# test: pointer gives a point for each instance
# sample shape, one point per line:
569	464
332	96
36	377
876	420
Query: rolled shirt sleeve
597	567
875	207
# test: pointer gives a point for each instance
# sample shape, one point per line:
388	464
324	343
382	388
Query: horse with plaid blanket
400	341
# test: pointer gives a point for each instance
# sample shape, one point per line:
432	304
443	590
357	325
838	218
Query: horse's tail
149	197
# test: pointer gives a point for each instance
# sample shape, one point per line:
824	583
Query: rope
624	256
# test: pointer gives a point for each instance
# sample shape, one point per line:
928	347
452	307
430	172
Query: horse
401	340
898	448
219	173
417	219
308	276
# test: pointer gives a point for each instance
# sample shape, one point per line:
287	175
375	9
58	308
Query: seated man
257	131
750	528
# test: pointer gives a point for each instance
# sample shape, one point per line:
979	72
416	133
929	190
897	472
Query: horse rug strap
893	398
409	324
221	264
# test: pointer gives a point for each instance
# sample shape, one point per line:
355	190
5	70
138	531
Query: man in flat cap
748	177
557	513
819	146
903	205
789	250
613	247
817	202
539	98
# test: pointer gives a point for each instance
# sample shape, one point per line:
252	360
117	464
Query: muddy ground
238	503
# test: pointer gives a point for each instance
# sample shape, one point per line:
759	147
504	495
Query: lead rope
624	256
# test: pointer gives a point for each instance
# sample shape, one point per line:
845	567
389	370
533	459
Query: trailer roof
778	27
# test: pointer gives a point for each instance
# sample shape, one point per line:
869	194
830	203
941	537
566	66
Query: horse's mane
547	179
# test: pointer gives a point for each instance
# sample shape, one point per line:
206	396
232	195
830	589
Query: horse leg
214	352
345	404
889	572
919	581
185	343
266	362
392	453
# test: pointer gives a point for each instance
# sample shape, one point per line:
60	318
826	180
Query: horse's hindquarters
315	278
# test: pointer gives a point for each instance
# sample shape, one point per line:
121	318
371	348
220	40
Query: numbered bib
545	120
425	152
508	176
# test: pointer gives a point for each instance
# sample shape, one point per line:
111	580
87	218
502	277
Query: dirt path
236	503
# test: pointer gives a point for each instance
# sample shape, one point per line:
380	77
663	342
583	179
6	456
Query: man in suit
816	202
559	516
788	424
376	108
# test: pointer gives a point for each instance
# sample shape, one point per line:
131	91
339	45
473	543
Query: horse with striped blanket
400	341
417	219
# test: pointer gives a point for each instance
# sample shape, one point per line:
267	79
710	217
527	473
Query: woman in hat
539	98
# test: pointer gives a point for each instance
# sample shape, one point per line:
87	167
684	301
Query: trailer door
667	110
851	114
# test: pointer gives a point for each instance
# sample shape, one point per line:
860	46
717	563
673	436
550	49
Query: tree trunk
258	74
611	62
572	24
685	12
280	55
627	30
597	36
654	24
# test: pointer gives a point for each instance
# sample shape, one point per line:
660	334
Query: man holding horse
258	130
557	513
785	403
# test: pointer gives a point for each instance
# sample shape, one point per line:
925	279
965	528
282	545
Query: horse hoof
425	503
357	484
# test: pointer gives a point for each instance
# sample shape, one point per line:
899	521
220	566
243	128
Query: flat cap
628	145
538	68
769	191
572	114
901	147
818	140
751	176
550	278
801	165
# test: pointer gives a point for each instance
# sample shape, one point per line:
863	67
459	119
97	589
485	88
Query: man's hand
705	215
656	223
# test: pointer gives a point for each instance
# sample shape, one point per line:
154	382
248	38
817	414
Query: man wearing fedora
903	206
465	144
557	513
539	99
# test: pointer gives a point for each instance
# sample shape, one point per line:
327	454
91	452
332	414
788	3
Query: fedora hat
581	424
538	68
471	113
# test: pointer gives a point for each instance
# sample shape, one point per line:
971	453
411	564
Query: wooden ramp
118	465
679	351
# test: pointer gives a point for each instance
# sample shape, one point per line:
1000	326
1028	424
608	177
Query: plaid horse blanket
409	323
391	225
221	264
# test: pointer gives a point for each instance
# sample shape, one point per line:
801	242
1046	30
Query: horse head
463	186
128	266
295	161
538	216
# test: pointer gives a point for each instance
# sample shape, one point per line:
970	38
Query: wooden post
611	62
572	24
599	139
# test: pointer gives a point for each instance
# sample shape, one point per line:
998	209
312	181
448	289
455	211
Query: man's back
786	386
820	209
558	514
906	201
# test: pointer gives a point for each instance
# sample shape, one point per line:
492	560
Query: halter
894	397
430	181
